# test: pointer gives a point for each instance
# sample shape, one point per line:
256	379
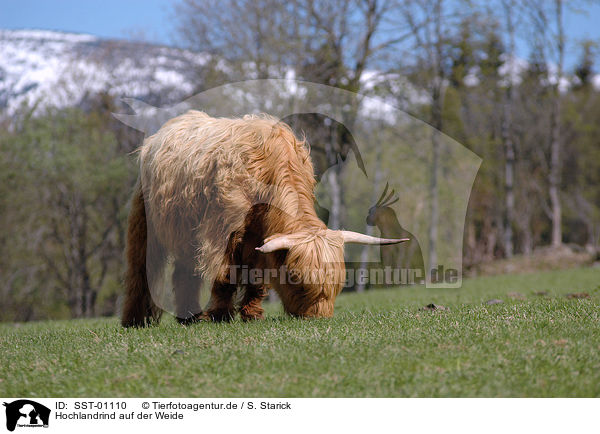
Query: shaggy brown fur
214	189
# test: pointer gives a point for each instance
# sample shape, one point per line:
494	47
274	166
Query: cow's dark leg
251	307
220	306
187	290
139	309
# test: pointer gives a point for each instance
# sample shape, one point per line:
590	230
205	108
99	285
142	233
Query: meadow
540	341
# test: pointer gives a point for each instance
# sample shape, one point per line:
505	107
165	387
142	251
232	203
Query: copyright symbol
145	405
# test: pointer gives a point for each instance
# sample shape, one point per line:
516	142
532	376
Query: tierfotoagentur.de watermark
386	276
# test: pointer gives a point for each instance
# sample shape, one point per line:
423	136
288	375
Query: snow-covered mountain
54	68
50	68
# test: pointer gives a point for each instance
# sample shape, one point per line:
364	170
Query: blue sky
152	20
121	19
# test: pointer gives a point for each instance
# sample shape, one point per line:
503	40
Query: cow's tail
138	309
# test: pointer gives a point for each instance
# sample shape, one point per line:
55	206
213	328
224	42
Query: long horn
279	243
355	237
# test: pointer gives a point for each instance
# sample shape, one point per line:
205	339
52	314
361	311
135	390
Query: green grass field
379	344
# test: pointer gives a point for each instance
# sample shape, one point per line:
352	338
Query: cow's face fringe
316	273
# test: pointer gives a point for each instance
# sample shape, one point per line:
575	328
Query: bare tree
555	144
256	39
508	7
431	24
549	40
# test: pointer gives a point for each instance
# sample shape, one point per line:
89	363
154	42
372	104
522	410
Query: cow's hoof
219	315
251	314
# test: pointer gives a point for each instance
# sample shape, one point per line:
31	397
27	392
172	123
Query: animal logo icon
27	413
